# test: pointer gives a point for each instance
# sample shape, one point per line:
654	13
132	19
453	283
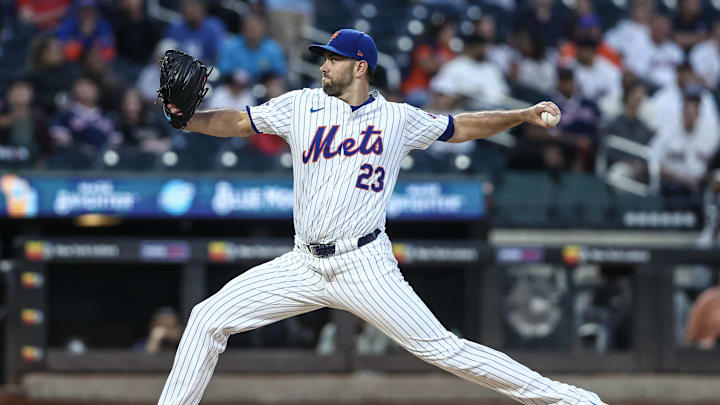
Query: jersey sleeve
274	116
423	128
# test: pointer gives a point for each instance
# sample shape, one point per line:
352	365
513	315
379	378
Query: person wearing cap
85	30
666	104
683	149
347	144
597	78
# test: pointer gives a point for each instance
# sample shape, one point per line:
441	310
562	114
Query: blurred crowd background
637	81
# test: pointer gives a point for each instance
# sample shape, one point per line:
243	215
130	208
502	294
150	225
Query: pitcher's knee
203	317
435	349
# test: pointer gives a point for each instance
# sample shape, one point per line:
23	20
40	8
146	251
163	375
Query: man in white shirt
663	55
646	47
235	94
630	35
684	147
667	103
498	52
705	58
471	74
599	80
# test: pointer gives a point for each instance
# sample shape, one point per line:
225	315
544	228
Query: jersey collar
374	100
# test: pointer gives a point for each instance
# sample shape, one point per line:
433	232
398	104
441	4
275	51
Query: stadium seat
583	200
524	199
70	158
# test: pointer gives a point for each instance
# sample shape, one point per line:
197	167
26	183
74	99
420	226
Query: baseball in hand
549	119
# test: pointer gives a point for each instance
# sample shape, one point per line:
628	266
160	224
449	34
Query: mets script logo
322	144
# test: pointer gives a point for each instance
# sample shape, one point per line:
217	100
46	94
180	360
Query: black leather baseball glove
182	83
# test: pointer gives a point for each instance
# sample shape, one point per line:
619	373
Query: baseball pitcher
347	144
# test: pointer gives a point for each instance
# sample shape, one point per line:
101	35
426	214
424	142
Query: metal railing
617	178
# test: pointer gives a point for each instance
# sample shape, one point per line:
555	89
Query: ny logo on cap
335	35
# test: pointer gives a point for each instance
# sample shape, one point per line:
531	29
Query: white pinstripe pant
367	283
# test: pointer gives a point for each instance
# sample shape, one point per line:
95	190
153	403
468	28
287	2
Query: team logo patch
360	54
335	35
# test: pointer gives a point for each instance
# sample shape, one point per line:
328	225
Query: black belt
326	250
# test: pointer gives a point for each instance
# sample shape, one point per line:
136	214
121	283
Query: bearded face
336	78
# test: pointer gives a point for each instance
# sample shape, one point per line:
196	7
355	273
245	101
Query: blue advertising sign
213	197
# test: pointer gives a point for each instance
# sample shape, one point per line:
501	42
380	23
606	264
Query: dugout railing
483	271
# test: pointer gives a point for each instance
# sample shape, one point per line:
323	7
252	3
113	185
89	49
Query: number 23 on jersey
367	172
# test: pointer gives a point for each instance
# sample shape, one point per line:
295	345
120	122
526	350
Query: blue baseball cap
351	43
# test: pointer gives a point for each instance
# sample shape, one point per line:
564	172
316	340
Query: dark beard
335	88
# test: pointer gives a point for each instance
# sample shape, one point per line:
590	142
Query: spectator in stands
569	146
703	327
83	124
197	33
164	332
498	52
598	80
136	34
427	58
15	36
86	30
578	129
50	73
589	29
287	17
689	25
705	58
270	145
632	36
542	17
253	52
629	126
582	18
470	75
683	149
111	87
664	55
667	103
651	54
234	93
142	127
22	124
536	67
273	85
43	14
149	77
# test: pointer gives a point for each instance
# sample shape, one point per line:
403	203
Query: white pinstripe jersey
345	163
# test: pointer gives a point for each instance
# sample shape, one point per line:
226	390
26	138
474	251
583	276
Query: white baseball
550	119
